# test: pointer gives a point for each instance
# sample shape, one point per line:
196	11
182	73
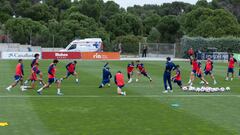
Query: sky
127	3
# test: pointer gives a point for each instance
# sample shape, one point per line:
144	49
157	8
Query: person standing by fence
145	49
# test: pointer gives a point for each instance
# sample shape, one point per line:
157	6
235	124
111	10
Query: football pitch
87	110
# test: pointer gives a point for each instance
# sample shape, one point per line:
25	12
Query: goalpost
158	49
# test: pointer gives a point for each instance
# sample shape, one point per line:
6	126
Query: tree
24	30
91	8
150	22
169	27
210	23
124	24
154	36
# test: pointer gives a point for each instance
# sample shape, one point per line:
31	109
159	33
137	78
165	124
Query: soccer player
208	69
239	72
167	75
52	78
19	73
190	53
194	64
177	78
142	71
119	81
106	74
200	74
130	69
35	71
71	71
231	64
34	61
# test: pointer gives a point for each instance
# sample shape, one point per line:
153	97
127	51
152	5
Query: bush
130	43
224	44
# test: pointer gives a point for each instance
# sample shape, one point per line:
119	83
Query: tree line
44	22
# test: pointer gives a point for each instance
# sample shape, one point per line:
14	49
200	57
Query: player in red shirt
193	74
190	53
34	61
177	78
200	74
71	70
208	69
52	78
19	73
130	69
35	71
231	64
142	71
119	81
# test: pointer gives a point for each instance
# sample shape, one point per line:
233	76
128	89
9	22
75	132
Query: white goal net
157	50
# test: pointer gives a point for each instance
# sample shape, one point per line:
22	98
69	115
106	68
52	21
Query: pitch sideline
130	96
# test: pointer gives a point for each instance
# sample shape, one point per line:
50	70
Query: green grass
87	110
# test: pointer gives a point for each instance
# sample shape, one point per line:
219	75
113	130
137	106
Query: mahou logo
61	55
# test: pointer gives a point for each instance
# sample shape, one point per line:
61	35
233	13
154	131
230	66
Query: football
184	88
228	88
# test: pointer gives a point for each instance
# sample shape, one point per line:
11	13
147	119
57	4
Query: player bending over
194	64
167	75
142	71
130	69
177	78
200	74
71	67
231	64
35	71
106	76
208	69
18	75
51	79
119	81
34	61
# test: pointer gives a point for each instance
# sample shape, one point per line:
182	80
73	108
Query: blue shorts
239	73
17	78
144	73
69	73
194	71
199	75
52	80
120	86
208	72
105	82
230	70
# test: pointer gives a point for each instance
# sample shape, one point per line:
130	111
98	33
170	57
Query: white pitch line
129	96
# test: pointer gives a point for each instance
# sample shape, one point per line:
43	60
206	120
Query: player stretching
106	76
34	61
71	71
130	69
35	71
194	64
177	78
51	78
119	81
208	69
141	70
231	64
18	75
167	75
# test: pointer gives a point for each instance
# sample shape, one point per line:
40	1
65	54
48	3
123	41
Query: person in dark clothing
167	75
145	49
106	76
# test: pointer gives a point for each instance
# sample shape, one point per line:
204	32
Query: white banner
20	55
